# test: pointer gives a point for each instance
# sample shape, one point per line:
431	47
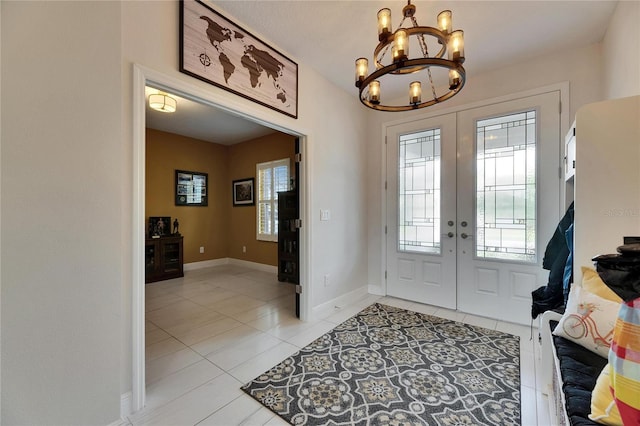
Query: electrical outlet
326	280
201	249
325	214
244	249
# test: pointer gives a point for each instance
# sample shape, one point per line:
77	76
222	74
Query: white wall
621	52
66	188
336	157
0	212
61	212
607	206
581	68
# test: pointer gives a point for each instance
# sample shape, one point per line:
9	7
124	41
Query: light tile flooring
218	328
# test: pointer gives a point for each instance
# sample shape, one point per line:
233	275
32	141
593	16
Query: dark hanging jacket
551	296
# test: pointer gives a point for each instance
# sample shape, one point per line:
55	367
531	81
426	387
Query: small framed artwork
159	226
191	188
243	194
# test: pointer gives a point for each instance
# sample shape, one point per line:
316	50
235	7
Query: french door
421	211
472	198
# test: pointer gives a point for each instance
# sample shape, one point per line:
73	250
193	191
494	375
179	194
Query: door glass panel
506	187
419	192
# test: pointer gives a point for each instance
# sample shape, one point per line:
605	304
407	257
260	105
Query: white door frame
230	103
565	122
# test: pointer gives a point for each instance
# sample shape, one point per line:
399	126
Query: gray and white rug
390	366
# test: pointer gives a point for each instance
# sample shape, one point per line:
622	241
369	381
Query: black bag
621	272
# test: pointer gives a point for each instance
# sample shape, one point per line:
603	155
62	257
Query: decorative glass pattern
506	187
419	192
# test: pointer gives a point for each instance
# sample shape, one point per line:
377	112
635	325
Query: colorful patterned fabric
624	360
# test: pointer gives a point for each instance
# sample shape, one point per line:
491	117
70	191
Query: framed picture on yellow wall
191	188
243	192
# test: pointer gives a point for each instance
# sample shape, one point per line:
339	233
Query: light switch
325	214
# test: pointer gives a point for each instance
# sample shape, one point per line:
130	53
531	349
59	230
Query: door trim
565	123
221	100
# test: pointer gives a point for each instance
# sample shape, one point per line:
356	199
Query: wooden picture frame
243	192
191	188
215	50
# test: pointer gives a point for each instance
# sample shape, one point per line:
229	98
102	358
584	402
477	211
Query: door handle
465	236
449	234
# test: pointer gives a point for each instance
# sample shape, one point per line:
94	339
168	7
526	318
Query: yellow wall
220	228
200	226
243	158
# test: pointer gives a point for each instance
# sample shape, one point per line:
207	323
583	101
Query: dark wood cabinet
163	259
288	237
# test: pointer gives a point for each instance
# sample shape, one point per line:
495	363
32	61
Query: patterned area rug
390	366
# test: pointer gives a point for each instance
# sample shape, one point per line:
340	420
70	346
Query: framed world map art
215	50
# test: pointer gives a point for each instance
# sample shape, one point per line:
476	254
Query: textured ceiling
329	35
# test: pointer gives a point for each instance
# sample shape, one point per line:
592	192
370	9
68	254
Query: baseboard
125	410
205	264
120	422
327	308
376	289
253	265
229	261
125	404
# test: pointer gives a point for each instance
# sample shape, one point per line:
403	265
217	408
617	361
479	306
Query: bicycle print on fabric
588	320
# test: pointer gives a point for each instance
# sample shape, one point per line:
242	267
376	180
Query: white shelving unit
569	165
604	142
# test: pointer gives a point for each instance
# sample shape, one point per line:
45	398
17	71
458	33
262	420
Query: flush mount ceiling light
400	63
162	102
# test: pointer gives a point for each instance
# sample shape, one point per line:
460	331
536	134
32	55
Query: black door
289	232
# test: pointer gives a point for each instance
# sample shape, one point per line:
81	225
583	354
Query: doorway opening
254	114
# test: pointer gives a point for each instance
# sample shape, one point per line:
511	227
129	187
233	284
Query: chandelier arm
424	62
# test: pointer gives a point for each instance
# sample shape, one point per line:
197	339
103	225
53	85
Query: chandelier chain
425	52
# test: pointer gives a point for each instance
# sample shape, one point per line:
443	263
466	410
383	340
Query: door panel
421	203
508	195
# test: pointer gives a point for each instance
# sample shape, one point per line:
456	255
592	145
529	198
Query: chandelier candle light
452	43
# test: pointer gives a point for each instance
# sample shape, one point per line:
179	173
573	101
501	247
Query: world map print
219	52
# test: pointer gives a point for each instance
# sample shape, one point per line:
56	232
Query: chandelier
400	63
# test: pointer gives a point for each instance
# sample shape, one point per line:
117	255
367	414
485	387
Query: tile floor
217	328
